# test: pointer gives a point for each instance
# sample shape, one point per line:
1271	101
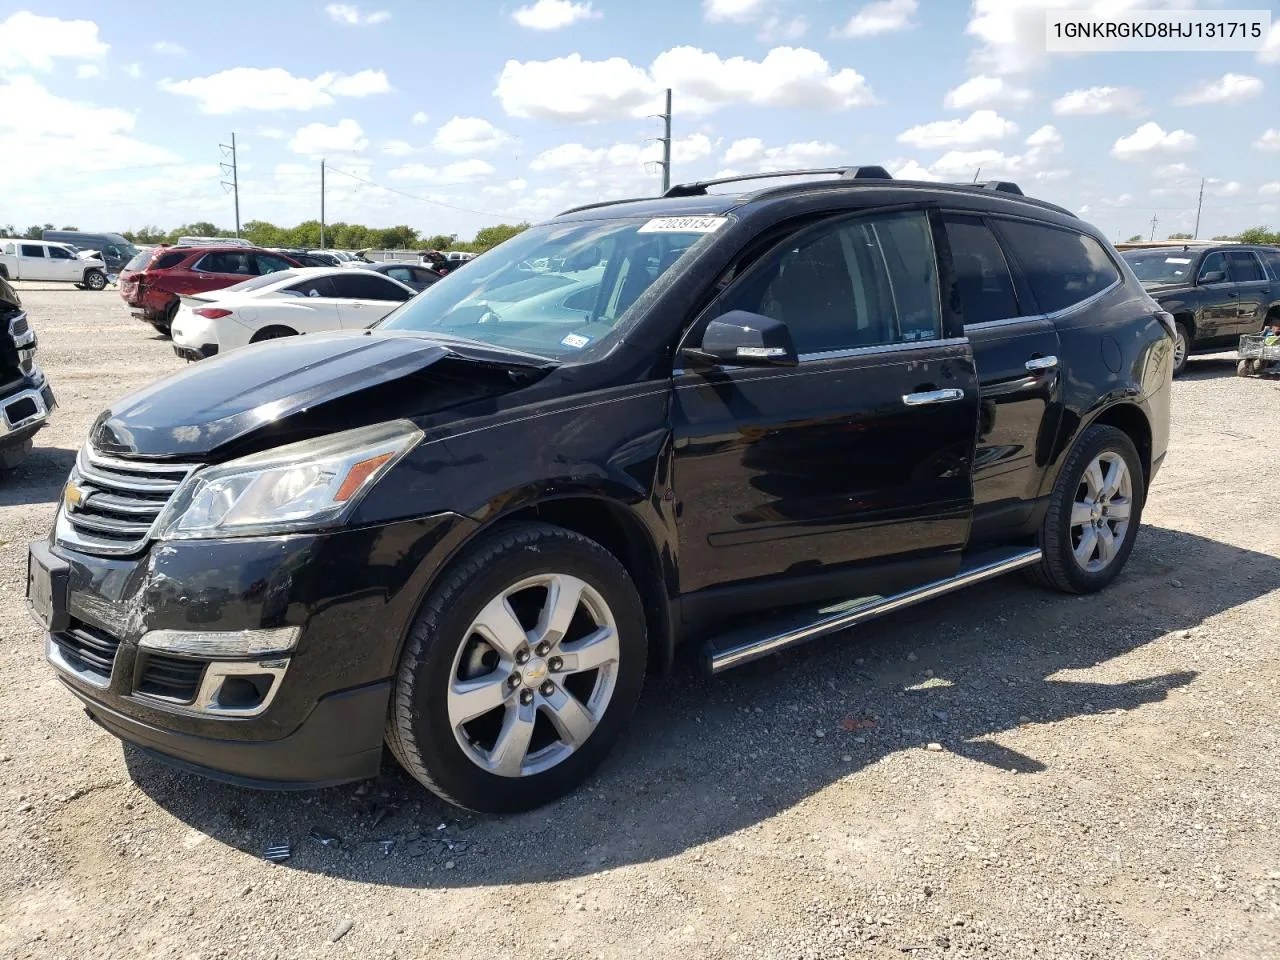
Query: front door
365	297
65	265
852	470
1219	300
1252	290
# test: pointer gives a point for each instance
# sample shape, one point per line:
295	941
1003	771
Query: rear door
1016	352
851	471
365	297
34	263
1219	300
1252	290
218	269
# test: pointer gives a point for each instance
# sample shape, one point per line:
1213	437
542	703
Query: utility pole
1199	206
321	204
1154	221
235	175
665	140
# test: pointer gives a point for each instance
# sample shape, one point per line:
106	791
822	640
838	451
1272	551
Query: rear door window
32	250
1061	267
1243	267
982	274
1272	259
228	262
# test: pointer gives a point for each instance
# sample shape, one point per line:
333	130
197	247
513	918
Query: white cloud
776	28
1270	52
1229	88
571	88
1271	189
1173	171
87	71
273	88
983	91
169	48
468	135
912	170
1096	101
1270	140
752	152
419	118
316	139
1035	162
134	70
349	14
554	14
464	171
883	16
1222	188
271	133
32	42
1151	138
397	148
981	126
737	11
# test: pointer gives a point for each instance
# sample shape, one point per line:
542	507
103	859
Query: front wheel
1181	347
1094	513
95	280
520	672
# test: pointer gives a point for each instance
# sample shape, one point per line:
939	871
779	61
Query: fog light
222	643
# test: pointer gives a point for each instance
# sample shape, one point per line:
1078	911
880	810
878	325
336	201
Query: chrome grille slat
119	502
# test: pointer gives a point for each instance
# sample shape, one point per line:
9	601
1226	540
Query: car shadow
1209	367
39	479
705	759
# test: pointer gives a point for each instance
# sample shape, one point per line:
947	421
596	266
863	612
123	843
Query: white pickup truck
40	260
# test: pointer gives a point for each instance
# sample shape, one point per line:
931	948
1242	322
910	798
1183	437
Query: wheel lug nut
555	663
547	688
544	649
526	696
513	681
522	656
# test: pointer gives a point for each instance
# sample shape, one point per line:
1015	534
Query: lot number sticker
683	225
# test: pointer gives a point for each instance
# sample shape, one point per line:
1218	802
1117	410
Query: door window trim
1012	257
812	224
1256	259
1020	295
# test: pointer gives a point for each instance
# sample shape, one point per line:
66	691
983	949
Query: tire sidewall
434	643
95	280
1185	335
1097	440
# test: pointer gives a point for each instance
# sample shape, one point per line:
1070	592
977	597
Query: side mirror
1214	276
743	339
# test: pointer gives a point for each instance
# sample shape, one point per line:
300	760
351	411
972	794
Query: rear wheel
272	333
1181	346
164	325
520	672
1093	514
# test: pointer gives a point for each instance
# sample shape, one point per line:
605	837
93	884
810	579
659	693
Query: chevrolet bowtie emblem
72	496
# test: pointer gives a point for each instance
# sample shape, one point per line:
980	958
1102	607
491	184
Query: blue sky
452	115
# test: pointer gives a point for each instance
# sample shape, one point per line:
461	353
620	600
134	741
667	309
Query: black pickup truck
1215	293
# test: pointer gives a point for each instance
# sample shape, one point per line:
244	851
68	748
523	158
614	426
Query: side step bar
742	646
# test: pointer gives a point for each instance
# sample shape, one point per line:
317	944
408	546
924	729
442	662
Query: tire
12	457
164	325
1181	348
444	650
95	280
1063	543
1242	368
272	333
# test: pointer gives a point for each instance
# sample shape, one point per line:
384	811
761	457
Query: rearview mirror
745	339
1214	276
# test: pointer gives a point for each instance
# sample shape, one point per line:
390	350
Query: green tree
439	241
1136	238
35	231
492	236
8	230
1260	235
1179	236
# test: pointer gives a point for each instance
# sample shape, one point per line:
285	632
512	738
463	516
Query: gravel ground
1006	773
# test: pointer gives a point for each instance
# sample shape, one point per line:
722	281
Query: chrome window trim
877	349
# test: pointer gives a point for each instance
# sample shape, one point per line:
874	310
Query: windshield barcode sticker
1177	259
683	225
575	340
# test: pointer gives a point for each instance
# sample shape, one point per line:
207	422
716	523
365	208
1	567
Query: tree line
306	235
1258	236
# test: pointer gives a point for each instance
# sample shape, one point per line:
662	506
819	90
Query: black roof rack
699	188
1002	186
600	203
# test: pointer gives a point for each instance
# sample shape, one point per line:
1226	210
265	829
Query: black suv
1216	293
469	531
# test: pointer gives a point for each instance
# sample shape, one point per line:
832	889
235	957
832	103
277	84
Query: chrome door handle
1042	363
932	396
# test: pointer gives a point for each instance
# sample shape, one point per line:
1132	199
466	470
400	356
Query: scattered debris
278	852
387	844
325	838
849	724
341	930
934	747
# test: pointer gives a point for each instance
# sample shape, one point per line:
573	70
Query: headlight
301	486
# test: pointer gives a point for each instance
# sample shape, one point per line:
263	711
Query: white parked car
283	304
41	260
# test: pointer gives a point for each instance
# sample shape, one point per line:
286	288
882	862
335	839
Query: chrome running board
742	646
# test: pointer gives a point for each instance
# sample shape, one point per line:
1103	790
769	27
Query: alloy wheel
533	675
1179	351
1101	512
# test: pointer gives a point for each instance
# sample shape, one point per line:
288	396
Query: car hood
215	403
1158	289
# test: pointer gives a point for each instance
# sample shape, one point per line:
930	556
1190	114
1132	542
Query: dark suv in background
758	417
155	281
1215	292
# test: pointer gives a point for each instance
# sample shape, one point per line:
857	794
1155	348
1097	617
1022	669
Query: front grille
88	648
19	326
173	678
111	504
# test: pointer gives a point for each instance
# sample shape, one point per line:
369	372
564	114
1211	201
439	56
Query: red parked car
154	282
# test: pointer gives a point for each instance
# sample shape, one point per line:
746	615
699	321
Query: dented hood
216	402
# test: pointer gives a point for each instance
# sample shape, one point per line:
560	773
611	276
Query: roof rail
1001	186
212	242
699	188
601	203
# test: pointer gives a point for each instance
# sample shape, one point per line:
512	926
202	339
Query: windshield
554	289
278	276
1160	266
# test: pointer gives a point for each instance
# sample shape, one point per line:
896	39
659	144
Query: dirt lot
1107	783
